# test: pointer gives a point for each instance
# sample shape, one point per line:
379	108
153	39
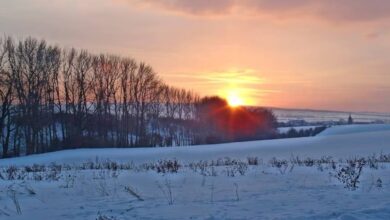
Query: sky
312	54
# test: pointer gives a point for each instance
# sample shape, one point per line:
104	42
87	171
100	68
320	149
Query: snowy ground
230	189
285	115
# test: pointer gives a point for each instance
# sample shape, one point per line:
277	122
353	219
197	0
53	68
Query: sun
234	100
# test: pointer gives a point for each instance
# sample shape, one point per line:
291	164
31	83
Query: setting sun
234	100
236	96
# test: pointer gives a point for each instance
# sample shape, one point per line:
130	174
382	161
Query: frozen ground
355	140
355	129
89	187
285	115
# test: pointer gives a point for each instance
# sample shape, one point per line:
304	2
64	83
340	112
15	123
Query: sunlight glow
234	100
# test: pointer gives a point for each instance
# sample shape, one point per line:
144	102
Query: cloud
244	82
330	10
373	35
231	77
197	7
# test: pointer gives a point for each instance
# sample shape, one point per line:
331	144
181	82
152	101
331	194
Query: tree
6	99
218	122
53	99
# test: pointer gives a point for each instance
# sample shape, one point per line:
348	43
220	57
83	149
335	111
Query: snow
353	129
337	141
264	192
285	115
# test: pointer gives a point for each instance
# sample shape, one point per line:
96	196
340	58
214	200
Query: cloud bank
330	10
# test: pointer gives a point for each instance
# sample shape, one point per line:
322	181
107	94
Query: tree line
53	98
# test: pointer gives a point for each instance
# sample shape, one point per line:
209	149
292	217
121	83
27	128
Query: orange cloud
244	83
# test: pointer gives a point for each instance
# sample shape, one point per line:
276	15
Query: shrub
349	175
372	162
11	172
378	183
167	166
253	161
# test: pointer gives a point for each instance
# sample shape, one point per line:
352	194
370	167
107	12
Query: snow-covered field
132	184
285	115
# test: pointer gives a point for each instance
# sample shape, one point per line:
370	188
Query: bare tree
105	86
53	98
127	72
77	87
144	90
6	99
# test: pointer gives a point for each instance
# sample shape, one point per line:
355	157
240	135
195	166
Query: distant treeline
53	98
295	133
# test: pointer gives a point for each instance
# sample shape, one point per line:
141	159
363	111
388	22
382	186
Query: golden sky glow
235	99
243	85
297	53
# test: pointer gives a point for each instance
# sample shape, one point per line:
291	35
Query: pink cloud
331	10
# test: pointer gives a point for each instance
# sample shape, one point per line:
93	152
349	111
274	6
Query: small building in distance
350	119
